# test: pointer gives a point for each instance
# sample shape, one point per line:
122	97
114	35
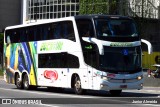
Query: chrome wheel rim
78	86
18	82
26	82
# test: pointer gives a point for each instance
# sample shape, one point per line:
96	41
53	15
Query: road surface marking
48	105
153	105
49	94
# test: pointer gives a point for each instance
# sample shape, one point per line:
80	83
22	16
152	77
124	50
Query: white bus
95	52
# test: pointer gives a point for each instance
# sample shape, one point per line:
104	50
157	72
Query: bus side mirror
150	49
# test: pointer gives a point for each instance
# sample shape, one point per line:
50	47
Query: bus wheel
77	86
26	82
115	92
18	82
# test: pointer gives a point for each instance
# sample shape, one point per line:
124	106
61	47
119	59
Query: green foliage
1	38
113	7
96	6
1	42
1	52
1	72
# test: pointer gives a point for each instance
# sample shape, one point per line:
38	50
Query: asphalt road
148	97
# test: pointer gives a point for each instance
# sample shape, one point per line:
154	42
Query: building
13	12
10	13
145	8
49	9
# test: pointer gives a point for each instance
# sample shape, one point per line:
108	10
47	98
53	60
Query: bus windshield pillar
95	41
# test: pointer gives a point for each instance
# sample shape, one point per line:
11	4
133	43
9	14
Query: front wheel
115	92
77	86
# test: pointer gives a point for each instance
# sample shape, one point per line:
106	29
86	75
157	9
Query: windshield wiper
134	35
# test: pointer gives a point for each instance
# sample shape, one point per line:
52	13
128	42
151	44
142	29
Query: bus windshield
121	60
115	28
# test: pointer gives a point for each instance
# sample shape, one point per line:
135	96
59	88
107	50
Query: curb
153	90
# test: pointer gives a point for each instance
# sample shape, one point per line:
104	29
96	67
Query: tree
1	48
1	42
97	6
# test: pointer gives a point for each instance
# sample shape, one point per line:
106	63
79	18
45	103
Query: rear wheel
77	86
26	82
18	82
115	92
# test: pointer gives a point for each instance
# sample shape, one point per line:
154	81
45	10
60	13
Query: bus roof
45	21
39	22
102	16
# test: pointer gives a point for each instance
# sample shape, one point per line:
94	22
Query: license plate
123	86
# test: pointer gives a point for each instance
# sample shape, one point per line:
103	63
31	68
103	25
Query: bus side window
45	32
69	30
85	28
53	32
56	60
65	30
73	61
16	36
26	34
39	33
11	36
35	33
23	33
56	31
50	31
8	36
31	36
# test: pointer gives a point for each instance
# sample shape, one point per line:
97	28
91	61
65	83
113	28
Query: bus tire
26	82
115	92
18	82
77	86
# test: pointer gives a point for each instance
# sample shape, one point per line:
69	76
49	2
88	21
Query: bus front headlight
104	77
139	77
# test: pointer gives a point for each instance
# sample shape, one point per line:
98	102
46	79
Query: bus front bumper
105	85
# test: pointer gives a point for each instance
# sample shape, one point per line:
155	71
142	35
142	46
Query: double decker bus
85	52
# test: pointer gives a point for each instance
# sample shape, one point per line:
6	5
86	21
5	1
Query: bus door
90	57
90	77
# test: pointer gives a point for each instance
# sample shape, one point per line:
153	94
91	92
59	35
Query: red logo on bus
52	75
111	75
